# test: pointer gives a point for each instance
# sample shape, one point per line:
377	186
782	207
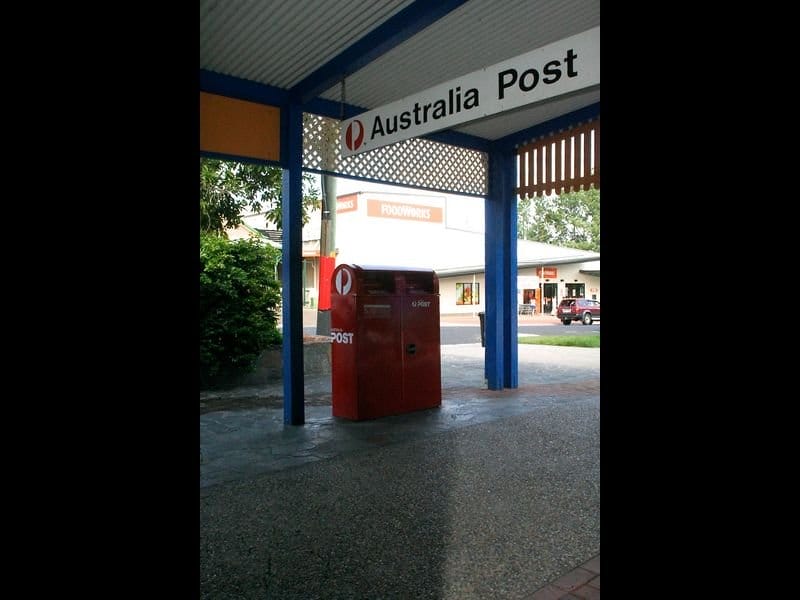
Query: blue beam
501	359
464	140
383	181
243	89
333	109
393	32
563	122
292	295
238	158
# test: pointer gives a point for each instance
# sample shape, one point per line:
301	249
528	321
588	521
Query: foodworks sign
398	210
559	68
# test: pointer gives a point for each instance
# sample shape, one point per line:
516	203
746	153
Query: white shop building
439	232
446	234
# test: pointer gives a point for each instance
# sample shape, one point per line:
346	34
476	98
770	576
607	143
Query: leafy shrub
239	296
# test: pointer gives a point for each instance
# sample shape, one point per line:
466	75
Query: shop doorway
549	297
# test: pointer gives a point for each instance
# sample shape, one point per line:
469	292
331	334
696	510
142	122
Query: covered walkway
493	495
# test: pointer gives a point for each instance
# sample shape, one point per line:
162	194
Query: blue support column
292	299
493	294
510	298
501	271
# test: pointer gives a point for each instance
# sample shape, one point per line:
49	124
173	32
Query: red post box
386	358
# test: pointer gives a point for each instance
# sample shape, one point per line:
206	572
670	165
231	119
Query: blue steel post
292	206
508	169
492	333
501	271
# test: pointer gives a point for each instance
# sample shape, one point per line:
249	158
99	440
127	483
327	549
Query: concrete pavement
493	495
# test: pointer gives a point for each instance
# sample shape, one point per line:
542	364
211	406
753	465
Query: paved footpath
493	495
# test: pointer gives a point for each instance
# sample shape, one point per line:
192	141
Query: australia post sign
559	68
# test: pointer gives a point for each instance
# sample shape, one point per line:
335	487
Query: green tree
238	306
571	220
227	188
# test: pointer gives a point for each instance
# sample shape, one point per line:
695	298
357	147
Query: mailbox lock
411	348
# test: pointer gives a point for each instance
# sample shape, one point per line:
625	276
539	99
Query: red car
578	309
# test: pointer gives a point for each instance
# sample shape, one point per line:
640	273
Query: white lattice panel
415	163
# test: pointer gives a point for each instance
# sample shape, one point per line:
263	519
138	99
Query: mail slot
386	357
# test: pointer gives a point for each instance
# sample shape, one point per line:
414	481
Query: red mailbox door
379	358
422	364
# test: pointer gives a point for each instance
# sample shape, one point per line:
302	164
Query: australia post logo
343	282
354	135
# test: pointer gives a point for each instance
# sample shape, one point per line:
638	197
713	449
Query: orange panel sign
347	203
239	128
549	272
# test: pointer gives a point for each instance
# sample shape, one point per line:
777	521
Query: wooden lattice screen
565	161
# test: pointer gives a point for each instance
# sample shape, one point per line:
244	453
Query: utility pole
327	253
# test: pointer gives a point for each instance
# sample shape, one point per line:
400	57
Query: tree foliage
239	296
571	220
227	188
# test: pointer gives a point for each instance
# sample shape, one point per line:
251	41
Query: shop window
576	290
468	293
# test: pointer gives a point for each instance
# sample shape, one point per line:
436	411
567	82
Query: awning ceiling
387	50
